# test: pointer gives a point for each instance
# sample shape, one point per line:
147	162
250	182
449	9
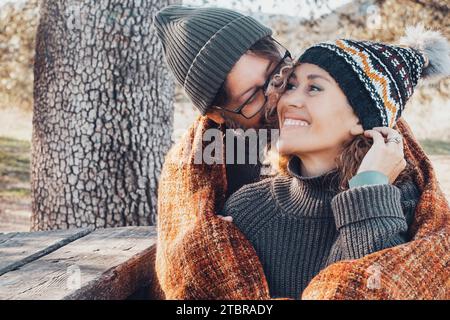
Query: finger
387	132
395	145
397	170
227	218
390	134
375	135
400	166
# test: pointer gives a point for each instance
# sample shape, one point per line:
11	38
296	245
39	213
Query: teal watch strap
368	178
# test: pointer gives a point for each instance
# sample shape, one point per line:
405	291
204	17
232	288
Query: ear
215	116
357	129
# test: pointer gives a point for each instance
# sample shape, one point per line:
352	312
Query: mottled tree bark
103	114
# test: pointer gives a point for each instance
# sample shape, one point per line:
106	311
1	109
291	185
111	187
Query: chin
293	146
285	147
253	123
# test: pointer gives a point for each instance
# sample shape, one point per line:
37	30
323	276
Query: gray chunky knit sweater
299	225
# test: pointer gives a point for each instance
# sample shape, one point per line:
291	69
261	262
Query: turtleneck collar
305	196
322	182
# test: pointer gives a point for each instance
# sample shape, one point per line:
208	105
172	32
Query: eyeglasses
253	105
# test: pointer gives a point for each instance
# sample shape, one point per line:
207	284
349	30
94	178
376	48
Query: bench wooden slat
20	248
111	264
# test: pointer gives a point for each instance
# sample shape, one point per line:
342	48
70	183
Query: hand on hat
386	154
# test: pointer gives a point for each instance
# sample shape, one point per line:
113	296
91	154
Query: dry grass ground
15	201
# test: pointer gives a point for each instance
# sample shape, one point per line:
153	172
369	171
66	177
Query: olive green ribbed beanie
201	46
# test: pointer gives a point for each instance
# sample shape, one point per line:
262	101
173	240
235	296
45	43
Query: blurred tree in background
18	24
377	20
102	115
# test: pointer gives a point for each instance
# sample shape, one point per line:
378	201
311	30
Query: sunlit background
296	24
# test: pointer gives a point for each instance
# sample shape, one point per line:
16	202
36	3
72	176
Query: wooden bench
115	263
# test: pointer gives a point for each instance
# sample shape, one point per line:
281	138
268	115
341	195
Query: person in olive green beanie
224	61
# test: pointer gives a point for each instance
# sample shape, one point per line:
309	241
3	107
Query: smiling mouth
288	122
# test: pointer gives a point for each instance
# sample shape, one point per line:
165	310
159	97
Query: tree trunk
103	114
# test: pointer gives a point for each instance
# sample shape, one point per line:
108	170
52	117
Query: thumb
375	135
228	218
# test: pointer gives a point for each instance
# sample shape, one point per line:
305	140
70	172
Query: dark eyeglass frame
239	109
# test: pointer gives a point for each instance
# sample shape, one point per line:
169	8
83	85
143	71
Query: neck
316	164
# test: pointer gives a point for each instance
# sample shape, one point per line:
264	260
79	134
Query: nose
292	100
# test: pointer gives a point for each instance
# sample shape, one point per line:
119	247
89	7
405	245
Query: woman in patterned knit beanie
340	105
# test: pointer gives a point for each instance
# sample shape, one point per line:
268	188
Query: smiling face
315	116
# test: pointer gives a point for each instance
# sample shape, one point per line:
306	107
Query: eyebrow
252	88
315	76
